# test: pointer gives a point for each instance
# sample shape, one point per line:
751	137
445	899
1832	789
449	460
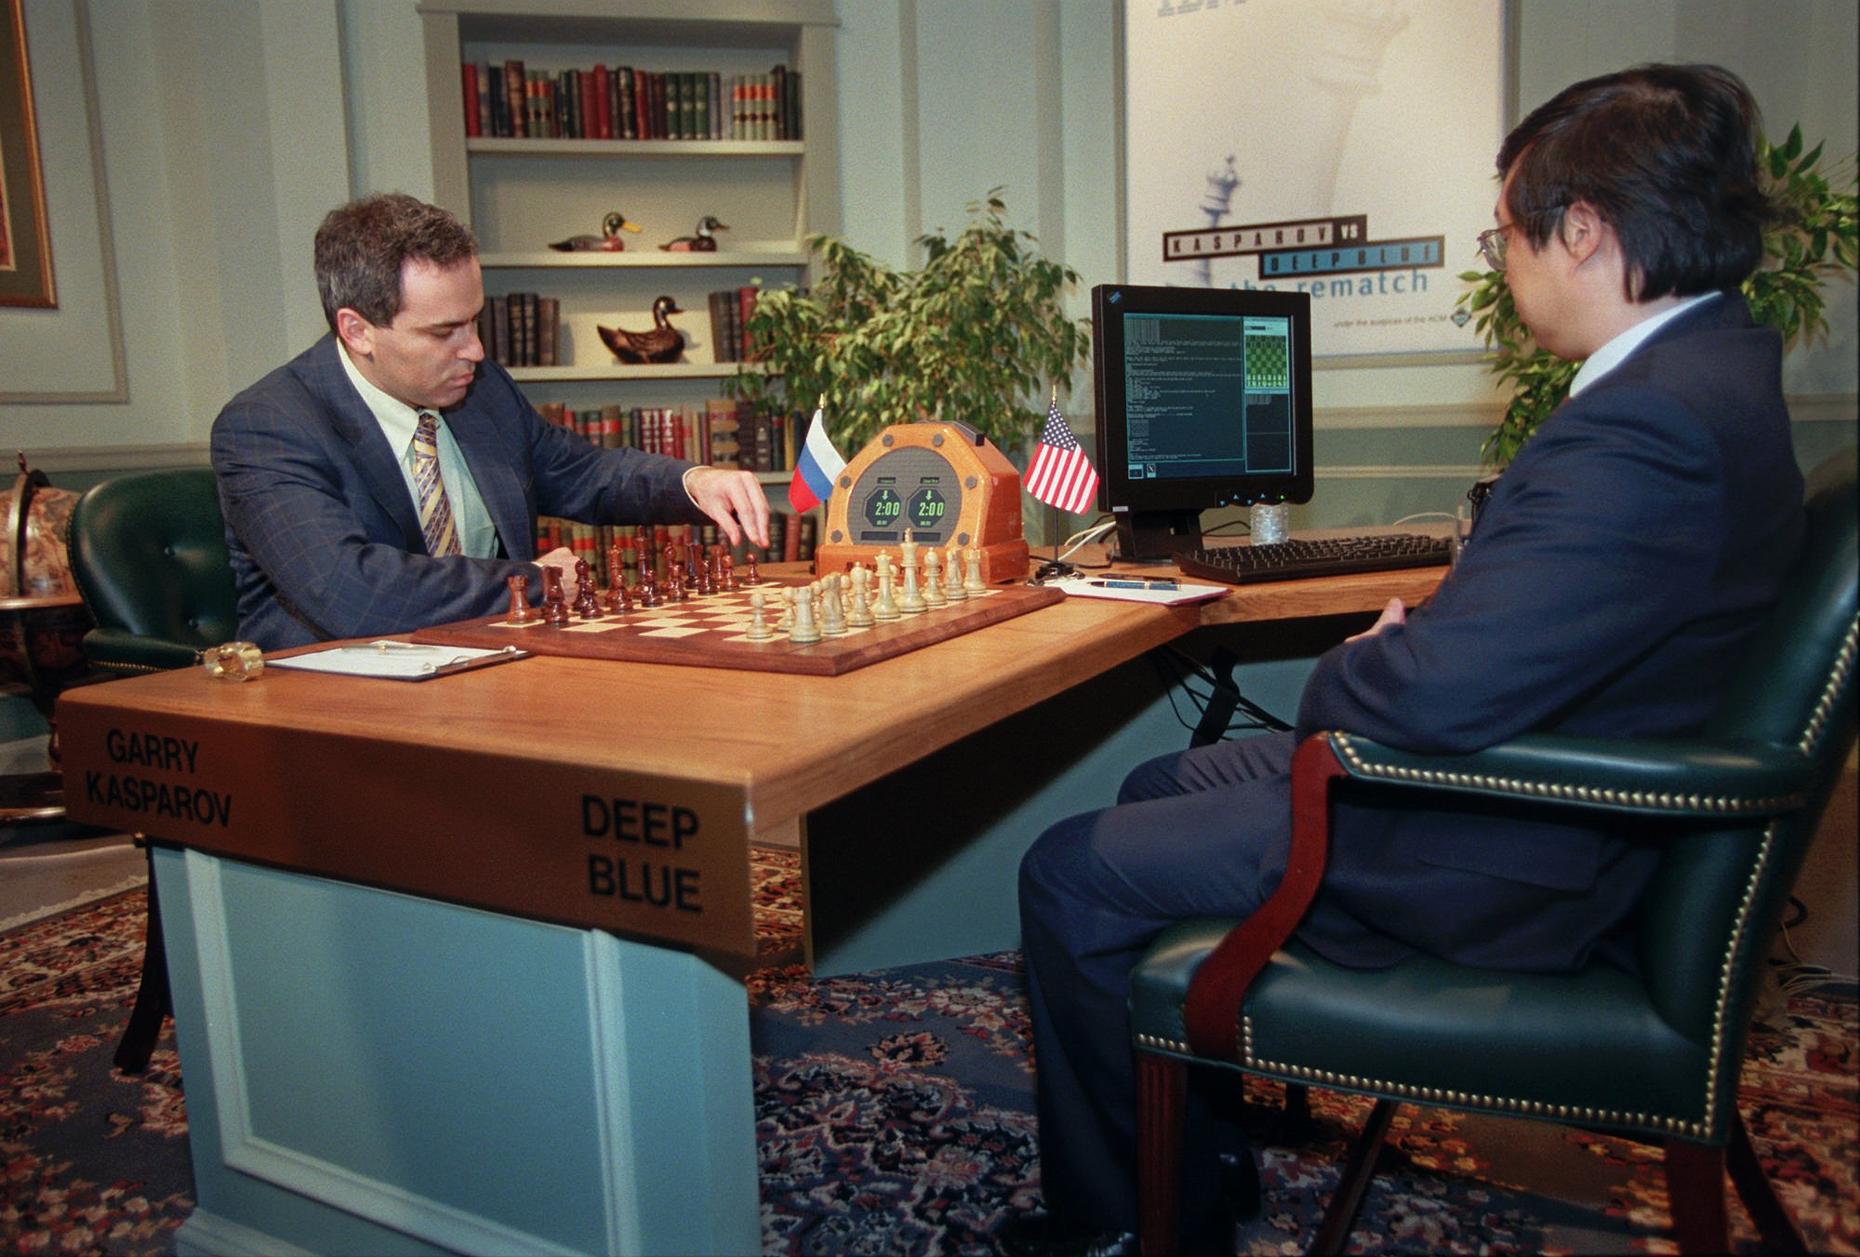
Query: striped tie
442	538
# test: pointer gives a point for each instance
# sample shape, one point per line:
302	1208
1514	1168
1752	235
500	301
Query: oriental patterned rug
894	1116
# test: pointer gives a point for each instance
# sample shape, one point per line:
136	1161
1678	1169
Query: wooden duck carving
664	343
703	242
608	241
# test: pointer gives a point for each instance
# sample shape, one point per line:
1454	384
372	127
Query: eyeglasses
1492	245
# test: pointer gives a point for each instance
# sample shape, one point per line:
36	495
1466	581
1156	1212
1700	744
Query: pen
1133	584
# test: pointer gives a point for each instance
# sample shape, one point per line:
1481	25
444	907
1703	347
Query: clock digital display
883	507
926	509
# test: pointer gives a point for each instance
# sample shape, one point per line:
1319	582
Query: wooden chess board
710	632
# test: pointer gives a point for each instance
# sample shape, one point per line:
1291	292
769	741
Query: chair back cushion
1708	917
149	554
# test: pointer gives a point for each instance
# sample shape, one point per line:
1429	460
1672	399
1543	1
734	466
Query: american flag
1060	474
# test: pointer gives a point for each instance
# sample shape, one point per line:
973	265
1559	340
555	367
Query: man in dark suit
1622	562
390	476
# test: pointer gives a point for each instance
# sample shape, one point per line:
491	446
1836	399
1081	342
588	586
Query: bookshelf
520	194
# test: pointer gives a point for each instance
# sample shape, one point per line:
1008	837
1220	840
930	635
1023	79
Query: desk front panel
588	792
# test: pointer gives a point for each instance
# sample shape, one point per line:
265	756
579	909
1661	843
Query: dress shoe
1047	1235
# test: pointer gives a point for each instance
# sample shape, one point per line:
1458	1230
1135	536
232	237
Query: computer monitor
1204	401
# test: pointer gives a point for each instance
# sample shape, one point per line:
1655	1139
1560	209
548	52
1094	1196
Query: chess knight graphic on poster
1336	147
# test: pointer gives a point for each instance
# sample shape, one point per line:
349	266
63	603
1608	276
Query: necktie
442	537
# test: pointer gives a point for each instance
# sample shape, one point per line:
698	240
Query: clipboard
397	661
1134	591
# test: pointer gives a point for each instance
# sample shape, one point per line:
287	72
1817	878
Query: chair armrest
1668	777
116	651
1211	1010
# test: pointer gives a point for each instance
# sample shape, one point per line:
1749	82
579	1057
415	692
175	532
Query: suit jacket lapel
485	448
355	424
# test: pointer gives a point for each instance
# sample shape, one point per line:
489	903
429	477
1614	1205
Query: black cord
1239	522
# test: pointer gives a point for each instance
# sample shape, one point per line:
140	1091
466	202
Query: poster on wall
1342	148
25	244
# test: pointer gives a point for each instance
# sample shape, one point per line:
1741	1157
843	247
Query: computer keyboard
1329	556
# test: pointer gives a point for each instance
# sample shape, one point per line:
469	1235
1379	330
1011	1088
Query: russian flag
818	466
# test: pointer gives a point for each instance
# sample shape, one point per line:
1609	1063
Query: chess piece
519	587
755	577
911	601
952	575
805	629
886	608
786	623
859	615
727	569
972	573
907	551
555	603
759	630
832	610
933	578
615	597
586	605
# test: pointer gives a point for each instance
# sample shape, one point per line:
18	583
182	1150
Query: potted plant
1811	240
970	337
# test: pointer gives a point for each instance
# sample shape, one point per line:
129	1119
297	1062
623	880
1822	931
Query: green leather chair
149	554
1655	1057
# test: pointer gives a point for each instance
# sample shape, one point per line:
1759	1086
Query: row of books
722	431
791	539
512	101
521	329
729	323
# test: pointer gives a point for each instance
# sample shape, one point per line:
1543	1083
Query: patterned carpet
894	1116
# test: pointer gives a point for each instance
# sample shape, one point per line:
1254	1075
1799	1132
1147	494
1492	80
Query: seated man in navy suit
389	477
1620	566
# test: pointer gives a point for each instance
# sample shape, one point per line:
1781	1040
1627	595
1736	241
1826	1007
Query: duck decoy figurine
662	344
608	241
702	242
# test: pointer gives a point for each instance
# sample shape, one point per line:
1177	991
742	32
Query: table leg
374	1072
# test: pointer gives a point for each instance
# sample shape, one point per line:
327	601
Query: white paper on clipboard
397	661
1082	587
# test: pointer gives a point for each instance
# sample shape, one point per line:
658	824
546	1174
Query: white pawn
952	575
972	573
786	623
759	630
933	578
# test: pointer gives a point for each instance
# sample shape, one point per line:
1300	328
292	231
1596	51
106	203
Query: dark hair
361	247
1665	154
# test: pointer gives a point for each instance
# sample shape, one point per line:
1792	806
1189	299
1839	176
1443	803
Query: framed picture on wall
1342	148
25	240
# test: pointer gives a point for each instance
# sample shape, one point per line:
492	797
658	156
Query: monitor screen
1203	401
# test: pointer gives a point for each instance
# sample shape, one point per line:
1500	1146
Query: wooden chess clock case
945	482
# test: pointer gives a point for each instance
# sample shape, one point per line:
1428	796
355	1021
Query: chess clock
945	482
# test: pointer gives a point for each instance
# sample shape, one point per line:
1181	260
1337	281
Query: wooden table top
311	771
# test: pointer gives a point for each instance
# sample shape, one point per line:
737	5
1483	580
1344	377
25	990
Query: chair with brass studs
149	554
1654	1056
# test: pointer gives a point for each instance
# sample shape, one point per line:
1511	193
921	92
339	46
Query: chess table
458	964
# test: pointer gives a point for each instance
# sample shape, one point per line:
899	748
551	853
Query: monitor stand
1157	536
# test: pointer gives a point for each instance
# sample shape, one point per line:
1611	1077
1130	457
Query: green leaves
1814	237
970	337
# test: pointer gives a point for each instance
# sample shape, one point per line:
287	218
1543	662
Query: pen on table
1133	584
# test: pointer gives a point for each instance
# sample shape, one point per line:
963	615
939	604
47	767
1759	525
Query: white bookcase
521	194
